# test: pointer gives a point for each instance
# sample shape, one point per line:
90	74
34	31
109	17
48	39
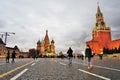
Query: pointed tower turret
52	41
46	36
38	45
46	39
52	47
100	30
38	42
99	18
98	10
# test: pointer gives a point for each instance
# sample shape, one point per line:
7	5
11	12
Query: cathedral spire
46	31
46	36
46	39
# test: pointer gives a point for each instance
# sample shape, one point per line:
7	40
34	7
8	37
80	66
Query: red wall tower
101	34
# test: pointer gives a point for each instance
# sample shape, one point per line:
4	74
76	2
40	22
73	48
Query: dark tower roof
100	19
16	48
52	41
99	13
38	42
1	42
46	36
46	39
98	10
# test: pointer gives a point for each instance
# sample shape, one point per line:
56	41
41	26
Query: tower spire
98	10
46	36
99	15
46	39
46	31
97	3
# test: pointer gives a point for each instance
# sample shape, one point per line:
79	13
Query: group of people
88	54
13	55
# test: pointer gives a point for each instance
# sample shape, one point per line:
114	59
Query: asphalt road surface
59	69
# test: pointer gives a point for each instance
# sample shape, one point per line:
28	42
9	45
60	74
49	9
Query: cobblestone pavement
59	69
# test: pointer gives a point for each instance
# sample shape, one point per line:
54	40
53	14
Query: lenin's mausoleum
101	35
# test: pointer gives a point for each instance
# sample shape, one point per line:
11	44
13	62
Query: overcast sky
68	21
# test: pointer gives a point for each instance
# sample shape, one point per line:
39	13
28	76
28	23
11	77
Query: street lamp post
1	36
6	34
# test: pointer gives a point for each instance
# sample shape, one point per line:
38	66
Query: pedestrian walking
88	54
101	54
7	57
13	56
70	55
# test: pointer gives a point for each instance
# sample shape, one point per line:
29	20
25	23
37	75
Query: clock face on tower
102	23
96	24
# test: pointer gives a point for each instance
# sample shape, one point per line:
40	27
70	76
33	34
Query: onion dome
38	42
52	41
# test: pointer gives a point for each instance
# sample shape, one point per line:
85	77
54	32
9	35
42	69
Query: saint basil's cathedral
45	47
101	35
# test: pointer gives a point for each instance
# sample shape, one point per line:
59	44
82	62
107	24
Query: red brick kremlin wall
101	36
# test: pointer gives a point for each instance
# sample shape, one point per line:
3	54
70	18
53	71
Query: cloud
2	24
68	22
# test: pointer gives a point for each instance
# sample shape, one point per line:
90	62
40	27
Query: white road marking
113	69
94	74
107	68
2	63
55	60
81	63
89	72
33	64
63	63
100	67
19	74
37	60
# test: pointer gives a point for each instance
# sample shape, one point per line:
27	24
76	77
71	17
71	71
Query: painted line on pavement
90	73
94	74
19	74
33	64
63	63
2	63
13	70
107	68
55	60
113	69
37	60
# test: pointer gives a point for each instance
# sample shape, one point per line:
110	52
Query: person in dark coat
70	55
88	54
7	57
13	56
